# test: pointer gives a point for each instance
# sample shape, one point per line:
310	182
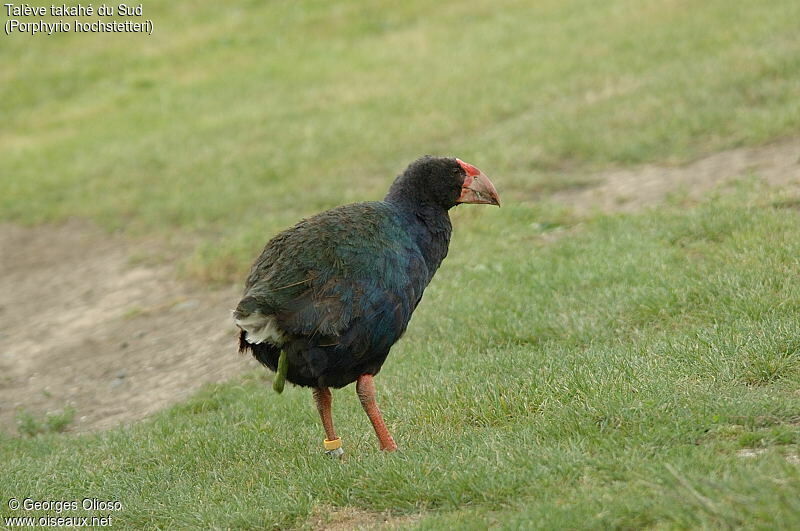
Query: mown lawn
638	370
625	371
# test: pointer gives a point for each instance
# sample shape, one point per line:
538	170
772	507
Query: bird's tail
244	346
265	353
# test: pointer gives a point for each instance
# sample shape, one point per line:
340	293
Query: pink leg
324	399
365	388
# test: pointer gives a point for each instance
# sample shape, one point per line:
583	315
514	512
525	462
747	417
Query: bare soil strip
631	189
81	326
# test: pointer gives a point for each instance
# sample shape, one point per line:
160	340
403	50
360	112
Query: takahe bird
328	298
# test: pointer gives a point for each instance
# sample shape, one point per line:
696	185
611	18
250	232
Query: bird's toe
335	454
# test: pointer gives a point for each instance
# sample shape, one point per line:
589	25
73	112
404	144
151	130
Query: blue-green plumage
337	290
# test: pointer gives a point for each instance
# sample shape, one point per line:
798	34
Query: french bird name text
49	27
63	10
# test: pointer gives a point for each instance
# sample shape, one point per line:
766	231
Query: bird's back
335	292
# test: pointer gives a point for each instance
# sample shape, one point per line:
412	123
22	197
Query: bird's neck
429	225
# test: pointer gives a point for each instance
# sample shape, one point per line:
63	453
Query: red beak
477	188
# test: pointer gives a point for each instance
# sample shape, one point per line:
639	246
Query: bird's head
445	182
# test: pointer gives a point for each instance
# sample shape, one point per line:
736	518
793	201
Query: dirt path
82	326
631	189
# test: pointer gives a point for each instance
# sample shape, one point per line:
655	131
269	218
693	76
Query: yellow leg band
334	444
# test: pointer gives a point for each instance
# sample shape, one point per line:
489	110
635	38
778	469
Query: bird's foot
389	446
335	454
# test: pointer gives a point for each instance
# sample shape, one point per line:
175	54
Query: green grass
31	425
616	385
618	371
232	122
